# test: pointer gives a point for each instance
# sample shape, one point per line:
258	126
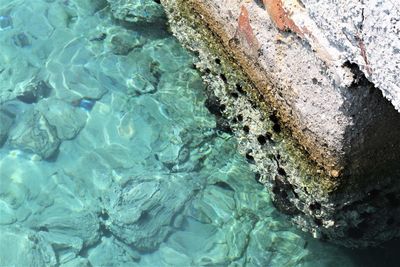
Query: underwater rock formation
315	125
34	134
67	119
36	251
137	10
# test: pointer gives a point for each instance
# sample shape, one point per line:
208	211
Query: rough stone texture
365	32
34	133
349	192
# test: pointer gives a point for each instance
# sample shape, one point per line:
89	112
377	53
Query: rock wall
339	173
365	33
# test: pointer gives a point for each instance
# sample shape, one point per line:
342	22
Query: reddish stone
245	29
280	16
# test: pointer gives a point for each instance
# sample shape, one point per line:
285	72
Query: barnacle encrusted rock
309	115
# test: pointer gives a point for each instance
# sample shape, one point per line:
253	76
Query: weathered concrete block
318	75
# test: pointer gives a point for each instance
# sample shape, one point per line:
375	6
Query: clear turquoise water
109	158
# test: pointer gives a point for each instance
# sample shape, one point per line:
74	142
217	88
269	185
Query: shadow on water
385	255
155	30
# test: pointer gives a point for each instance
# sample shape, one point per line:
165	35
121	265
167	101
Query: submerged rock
74	231
34	133
137	10
123	43
142	212
140	85
83	82
20	247
35	91
21	40
121	253
79	261
67	119
66	247
146	79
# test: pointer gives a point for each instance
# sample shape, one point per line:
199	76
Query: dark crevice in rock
43	229
234	95
249	157
318	221
223	78
224	186
282	192
239	88
35	92
213	104
104	231
281	171
104	215
246	129
262	140
257	177
260	3
223	125
144	218
54	156
301	3
315	206
358	75
276	127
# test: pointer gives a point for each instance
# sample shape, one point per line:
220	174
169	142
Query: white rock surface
366	33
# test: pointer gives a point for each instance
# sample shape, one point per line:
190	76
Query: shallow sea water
109	158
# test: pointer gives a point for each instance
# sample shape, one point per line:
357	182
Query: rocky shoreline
329	205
